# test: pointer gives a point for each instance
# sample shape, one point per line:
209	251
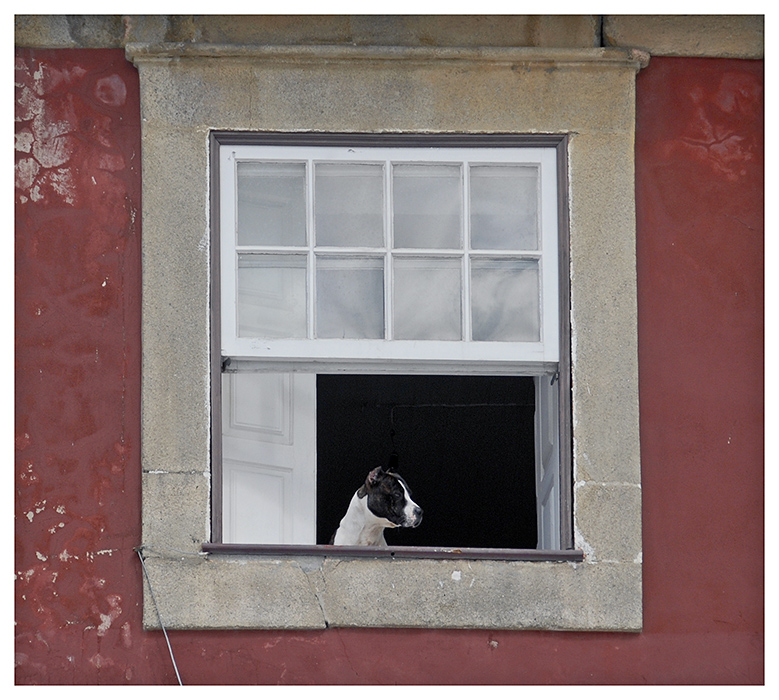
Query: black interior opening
465	446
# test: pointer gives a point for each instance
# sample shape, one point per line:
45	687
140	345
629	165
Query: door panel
547	464
269	458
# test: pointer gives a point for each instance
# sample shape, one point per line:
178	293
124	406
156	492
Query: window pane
350	298
504	207
426	206
349	204
505	300
271	203
427	297
271	296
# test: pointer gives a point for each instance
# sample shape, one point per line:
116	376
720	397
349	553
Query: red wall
77	475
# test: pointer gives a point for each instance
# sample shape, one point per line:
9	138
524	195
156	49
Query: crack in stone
311	574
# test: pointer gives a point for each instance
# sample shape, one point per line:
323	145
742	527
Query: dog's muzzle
415	518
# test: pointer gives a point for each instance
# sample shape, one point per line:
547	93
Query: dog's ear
373	476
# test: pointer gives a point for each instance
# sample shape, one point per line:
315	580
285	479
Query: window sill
466	553
263	588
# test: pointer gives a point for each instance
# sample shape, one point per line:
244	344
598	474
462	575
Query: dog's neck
360	526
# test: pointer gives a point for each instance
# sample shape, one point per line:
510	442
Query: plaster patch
62	183
28	105
111	90
108	620
25	172
204	244
23	141
52	152
100	661
39	507
91	555
127	640
38	75
581	543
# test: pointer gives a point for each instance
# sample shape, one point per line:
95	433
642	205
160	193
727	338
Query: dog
384	500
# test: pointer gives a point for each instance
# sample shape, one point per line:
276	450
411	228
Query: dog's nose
417	516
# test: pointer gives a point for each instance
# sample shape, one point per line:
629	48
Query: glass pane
271	203
271	296
504	207
427	299
350	298
427	206
505	300
349	204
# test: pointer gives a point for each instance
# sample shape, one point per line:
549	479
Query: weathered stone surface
91	31
176	421
726	36
194	593
228	592
370	89
737	36
69	31
608	521
176	510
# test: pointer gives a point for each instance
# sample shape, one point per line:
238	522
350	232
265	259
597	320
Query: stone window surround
589	94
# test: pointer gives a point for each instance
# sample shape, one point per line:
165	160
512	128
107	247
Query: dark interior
465	446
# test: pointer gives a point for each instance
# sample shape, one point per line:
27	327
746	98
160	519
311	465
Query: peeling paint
104	552
23	141
114	613
100	661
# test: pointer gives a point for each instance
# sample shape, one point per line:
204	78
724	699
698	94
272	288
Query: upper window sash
384	258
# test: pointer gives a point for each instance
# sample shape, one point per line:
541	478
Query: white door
547	464
269	458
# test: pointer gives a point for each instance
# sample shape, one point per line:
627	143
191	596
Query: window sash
541	353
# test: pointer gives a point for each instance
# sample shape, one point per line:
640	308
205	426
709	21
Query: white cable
159	617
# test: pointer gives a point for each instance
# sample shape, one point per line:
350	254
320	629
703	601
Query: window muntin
450	253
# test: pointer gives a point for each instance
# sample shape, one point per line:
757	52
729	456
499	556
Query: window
380	296
436	92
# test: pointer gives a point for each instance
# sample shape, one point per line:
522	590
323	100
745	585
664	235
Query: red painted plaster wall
77	475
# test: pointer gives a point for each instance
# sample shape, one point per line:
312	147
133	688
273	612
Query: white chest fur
360	527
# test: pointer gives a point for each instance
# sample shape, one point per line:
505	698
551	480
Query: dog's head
389	497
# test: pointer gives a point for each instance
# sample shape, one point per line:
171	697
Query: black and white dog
384	500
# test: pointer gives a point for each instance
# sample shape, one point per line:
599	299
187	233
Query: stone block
724	36
176	511
610	529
